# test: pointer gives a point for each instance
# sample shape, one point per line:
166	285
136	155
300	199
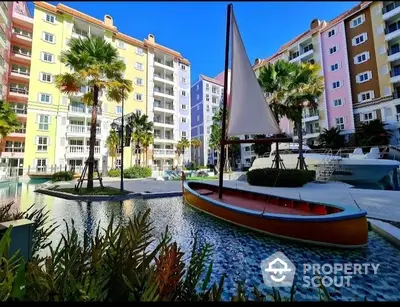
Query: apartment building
16	83
5	36
359	54
58	125
206	101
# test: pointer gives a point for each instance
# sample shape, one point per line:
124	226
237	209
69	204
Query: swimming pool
237	252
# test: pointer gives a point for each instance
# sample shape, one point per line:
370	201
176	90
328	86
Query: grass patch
95	191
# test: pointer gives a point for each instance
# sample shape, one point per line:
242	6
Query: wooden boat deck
253	204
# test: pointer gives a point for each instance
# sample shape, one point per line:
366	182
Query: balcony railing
166	121
393	50
20	111
165	137
166	63
14	149
159	104
167	92
165	77
395	72
164	151
389	8
84	110
22	33
17	90
82	149
392	28
81	129
311	113
20	72
21	52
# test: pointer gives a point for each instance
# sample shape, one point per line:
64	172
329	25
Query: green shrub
270	177
137	172
62	176
114	173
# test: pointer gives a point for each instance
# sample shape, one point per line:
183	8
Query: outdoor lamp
113	126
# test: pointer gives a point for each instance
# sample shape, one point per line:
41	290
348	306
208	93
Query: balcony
169	79
82	110
161	93
164	152
392	31
79	33
164	64
80	149
81	129
395	75
163	107
20	54
166	138
391	10
21	36
3	40
163	123
4	13
305	54
19	74
20	112
310	115
393	53
18	92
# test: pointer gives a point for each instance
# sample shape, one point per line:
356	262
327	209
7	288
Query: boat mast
224	105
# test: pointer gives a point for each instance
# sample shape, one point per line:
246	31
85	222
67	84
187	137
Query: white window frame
331	30
183	80
42	74
44	123
40	98
371	93
339	125
138	95
339	65
42	145
184	120
139	51
183	93
120	44
183	66
367	57
44	33
118	108
362	17
183	134
137	66
42	54
49	21
183	106
198	118
336	100
369	76
354	39
340	85
373	113
337	49
139	83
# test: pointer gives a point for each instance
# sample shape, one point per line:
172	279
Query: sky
197	29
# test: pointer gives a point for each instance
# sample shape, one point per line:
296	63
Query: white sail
249	113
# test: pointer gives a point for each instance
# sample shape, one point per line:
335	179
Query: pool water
237	252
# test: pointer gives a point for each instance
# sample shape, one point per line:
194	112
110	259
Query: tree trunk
146	157
112	162
92	139
300	135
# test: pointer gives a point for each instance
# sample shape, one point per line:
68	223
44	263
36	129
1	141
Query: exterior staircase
328	165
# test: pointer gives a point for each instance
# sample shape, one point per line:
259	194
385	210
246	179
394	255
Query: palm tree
373	133
304	88
332	138
112	143
8	121
94	64
140	126
195	143
147	140
181	146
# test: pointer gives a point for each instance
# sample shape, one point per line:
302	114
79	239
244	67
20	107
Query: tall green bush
137	172
62	176
272	177
114	173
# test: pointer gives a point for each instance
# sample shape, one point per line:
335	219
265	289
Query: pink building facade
337	95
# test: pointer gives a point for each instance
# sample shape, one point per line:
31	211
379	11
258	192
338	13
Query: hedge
114	173
271	177
137	172
62	176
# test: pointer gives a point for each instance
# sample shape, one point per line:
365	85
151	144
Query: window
41	165
333	50
207	97
139	51
366	96
183	134
138	112
183	120
207	108
197	96
119	109
335	67
47	57
183	80
139	66
14	146
361	58
336	84
121	44
183	93
198	107
50	38
357	21
45	98
198	118
364	77
139	81
50	18
207	86
331	32
338	102
183	106
368	116
138	97
42	143
183	67
359	39
45	77
339	123
44	121
197	87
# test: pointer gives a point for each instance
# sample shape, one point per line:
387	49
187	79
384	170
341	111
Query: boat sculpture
300	220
